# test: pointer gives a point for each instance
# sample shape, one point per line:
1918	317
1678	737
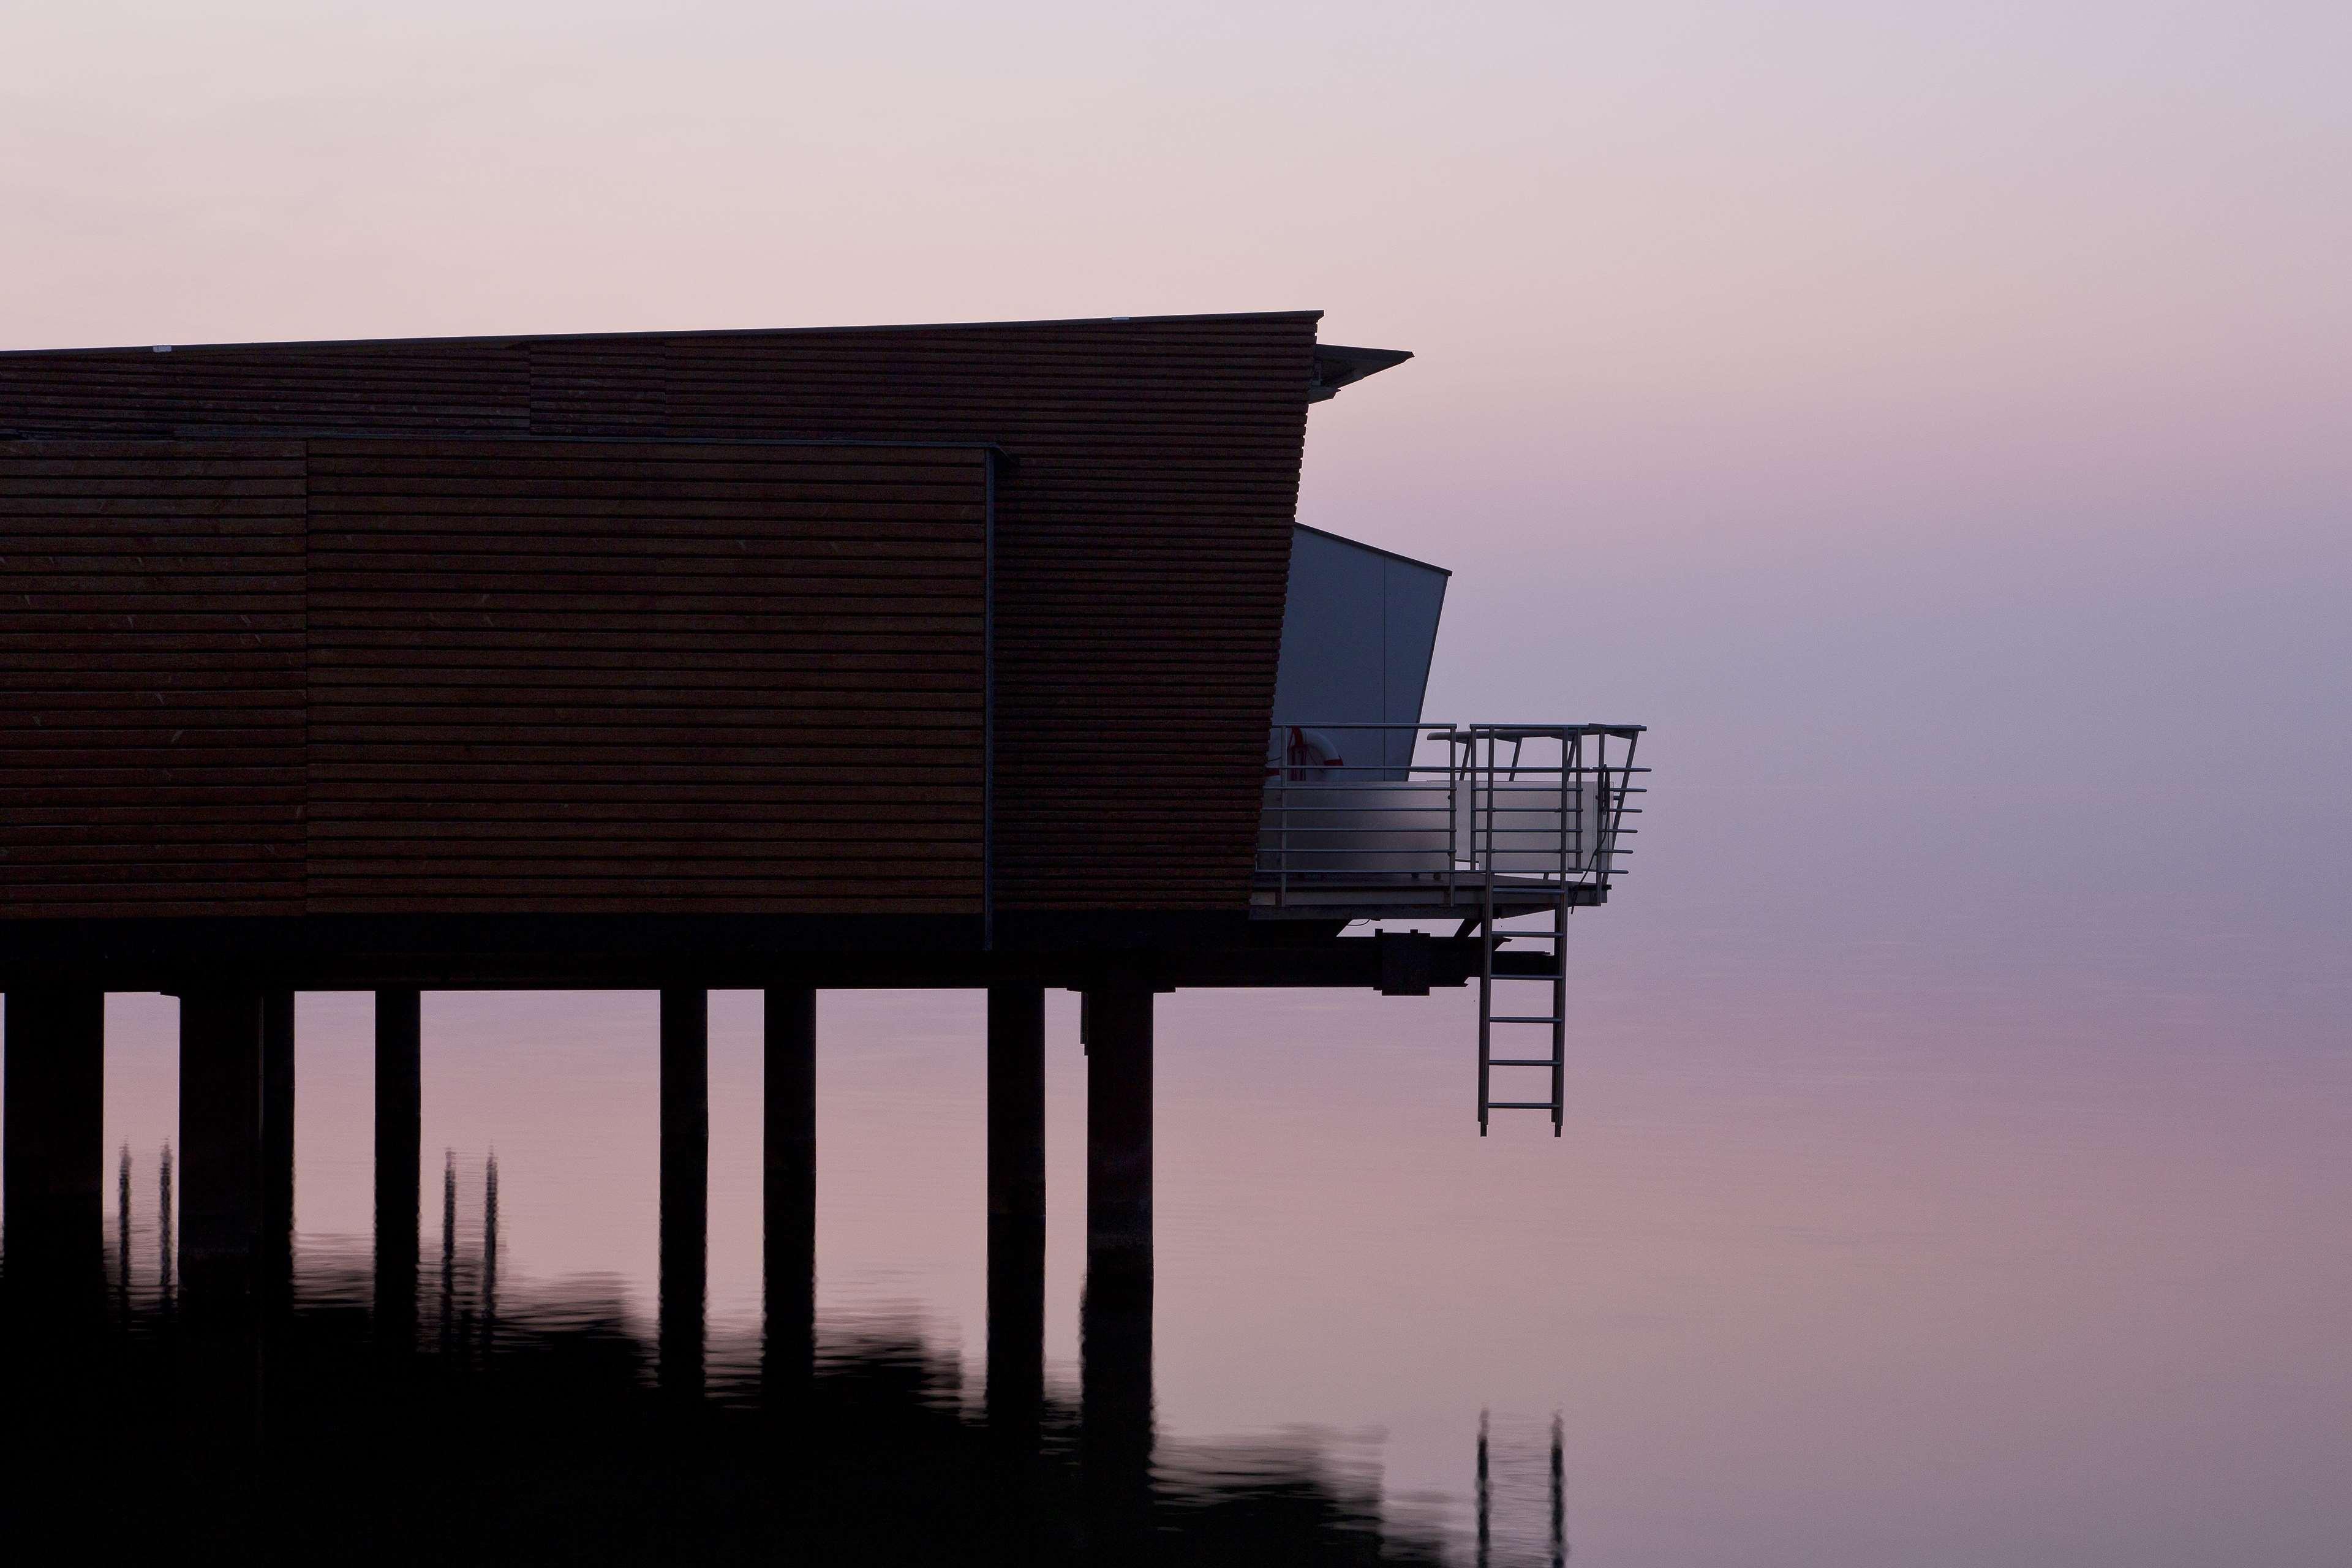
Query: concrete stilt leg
399	1136
53	1099
276	1252
788	1191
1017	1206
1118	1138
684	1184
220	1155
1115	1326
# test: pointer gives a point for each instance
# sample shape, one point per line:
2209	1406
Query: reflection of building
468	1293
959	655
548	1443
139	1262
1508	1499
984	656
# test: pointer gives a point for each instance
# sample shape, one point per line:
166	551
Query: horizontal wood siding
1142	526
151	693
481	389
599	677
1143	549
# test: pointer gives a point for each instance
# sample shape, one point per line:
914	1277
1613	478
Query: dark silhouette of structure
984	655
543	1442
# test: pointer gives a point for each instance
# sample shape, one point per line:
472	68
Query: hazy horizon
1935	423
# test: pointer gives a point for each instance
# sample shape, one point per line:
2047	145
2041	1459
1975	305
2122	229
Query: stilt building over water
985	656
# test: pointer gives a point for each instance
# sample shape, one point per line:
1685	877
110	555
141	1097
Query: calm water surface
1945	1212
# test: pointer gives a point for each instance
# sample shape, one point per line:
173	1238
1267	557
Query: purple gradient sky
1915	384
1937	421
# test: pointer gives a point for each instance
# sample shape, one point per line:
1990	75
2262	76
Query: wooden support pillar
1016	1101
1115	1317
220	1163
276	1252
684	1184
399	1138
1017	1206
52	1103
788	1187
1119	1135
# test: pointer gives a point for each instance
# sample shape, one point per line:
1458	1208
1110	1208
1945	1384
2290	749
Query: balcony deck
1481	822
1412	896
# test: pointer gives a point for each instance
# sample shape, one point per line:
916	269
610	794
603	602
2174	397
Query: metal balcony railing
1406	818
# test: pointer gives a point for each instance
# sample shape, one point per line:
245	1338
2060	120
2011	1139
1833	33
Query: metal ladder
1554	976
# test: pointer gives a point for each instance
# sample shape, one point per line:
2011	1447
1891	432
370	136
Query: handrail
1455	810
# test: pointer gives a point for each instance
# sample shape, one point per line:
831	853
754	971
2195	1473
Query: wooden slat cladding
609	676
421	387
599	387
151	692
1142	554
1142	526
99	391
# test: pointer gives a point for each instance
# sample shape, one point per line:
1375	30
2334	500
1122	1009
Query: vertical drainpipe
988	708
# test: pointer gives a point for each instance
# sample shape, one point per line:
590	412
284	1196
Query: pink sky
1935	420
1820	366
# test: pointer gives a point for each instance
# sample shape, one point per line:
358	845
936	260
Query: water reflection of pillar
1483	1491
788	1189
122	1235
489	1249
1016	1207
1115	1329
684	1184
53	1300
448	1249
1558	1497
221	1182
399	1154
220	1143
218	1405
166	1246
51	1104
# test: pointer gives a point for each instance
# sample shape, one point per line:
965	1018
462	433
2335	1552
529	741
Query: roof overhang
1336	367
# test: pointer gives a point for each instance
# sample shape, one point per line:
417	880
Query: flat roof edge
505	338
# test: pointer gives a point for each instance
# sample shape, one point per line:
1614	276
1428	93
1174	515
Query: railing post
1453	822
1570	779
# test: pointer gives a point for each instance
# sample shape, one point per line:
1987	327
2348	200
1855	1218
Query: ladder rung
1521	1105
1519	1018
1522	1062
